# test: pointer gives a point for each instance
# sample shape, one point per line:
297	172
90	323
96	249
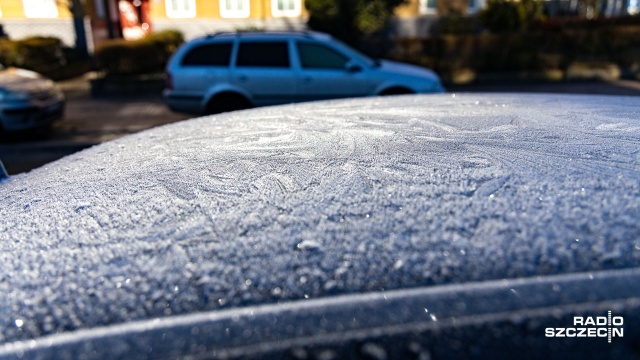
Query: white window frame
100	11
633	7
186	9
40	8
479	4
295	12
234	12
426	10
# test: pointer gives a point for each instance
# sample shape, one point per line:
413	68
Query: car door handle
307	79
242	78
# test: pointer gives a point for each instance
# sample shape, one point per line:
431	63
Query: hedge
41	54
533	51
144	56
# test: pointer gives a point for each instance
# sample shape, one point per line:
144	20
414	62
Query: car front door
263	69
327	73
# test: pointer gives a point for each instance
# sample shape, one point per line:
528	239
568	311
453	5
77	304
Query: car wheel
227	102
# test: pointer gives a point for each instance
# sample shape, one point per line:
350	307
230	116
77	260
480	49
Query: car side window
317	56
263	54
209	55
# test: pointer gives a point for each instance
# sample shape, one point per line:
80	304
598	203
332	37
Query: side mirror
353	67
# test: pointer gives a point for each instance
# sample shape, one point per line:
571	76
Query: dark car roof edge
348	316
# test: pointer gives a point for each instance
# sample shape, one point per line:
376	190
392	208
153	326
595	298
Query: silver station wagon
231	71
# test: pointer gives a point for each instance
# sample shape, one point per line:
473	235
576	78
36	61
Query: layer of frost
318	199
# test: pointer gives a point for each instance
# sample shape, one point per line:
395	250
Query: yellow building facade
23	18
32	9
227	9
200	17
110	18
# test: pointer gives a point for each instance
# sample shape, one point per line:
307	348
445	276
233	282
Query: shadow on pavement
619	88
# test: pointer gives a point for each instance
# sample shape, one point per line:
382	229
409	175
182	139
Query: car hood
21	80
533	198
398	68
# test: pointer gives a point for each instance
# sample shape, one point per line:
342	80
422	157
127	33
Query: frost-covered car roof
298	229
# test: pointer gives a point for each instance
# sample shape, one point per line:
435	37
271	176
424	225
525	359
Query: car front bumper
30	115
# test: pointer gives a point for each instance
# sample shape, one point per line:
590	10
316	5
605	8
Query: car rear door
327	73
263	69
200	68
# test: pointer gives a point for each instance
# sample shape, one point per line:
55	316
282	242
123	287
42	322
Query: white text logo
590	326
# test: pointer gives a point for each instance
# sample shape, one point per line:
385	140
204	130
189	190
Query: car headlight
7	95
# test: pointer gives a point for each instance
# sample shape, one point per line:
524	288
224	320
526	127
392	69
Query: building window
285	8
40	8
428	6
475	6
472	6
234	8
180	8
634	7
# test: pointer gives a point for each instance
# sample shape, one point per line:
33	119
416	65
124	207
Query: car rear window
316	56
208	55
263	54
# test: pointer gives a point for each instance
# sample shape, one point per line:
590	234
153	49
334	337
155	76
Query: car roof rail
305	33
220	33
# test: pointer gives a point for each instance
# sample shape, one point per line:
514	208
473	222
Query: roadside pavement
617	87
88	121
96	120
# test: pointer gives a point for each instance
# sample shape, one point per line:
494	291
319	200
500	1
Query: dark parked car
28	100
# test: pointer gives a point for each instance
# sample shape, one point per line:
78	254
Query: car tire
227	102
396	91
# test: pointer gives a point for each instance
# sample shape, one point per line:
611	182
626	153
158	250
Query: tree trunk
77	9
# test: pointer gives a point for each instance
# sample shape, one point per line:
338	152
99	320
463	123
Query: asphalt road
619	87
90	121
